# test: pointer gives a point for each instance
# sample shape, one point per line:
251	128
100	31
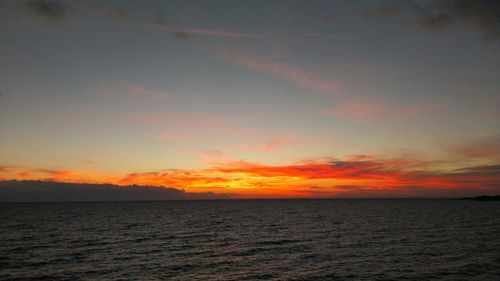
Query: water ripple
251	240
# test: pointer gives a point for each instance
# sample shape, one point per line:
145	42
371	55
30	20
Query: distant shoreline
27	191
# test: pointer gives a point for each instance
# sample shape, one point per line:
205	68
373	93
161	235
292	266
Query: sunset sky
254	98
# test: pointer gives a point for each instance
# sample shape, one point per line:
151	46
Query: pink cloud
273	146
128	89
282	70
367	111
186	120
361	157
139	91
200	126
208	154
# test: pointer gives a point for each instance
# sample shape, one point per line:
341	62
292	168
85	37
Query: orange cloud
63	175
282	70
318	179
6	169
360	176
66	176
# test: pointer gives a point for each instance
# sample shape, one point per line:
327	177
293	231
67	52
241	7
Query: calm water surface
252	240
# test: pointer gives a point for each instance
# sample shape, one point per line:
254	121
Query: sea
331	239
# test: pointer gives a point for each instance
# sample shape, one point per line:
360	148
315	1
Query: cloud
6	169
484	169
116	13
213	153
436	15
335	169
282	70
139	91
67	175
357	175
130	89
195	121
188	179
63	175
185	127
209	154
369	111
52	10
273	146
159	20
49	191
215	32
361	157
154	17
182	35
381	12
483	15
187	33
378	175
488	147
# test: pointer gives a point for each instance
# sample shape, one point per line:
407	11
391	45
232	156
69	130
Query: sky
254	99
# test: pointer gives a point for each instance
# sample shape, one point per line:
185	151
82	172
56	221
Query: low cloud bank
49	191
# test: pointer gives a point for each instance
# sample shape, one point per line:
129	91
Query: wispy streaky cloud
127	89
369	111
224	153
216	32
185	33
479	148
52	10
60	11
138	90
282	70
273	146
445	88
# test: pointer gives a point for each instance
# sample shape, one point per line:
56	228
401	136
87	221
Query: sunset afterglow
332	99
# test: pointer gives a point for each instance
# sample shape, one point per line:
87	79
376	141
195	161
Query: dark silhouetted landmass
49	191
483	198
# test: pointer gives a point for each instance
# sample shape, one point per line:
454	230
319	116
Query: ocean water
252	240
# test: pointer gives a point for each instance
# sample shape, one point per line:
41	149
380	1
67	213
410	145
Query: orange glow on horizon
358	176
